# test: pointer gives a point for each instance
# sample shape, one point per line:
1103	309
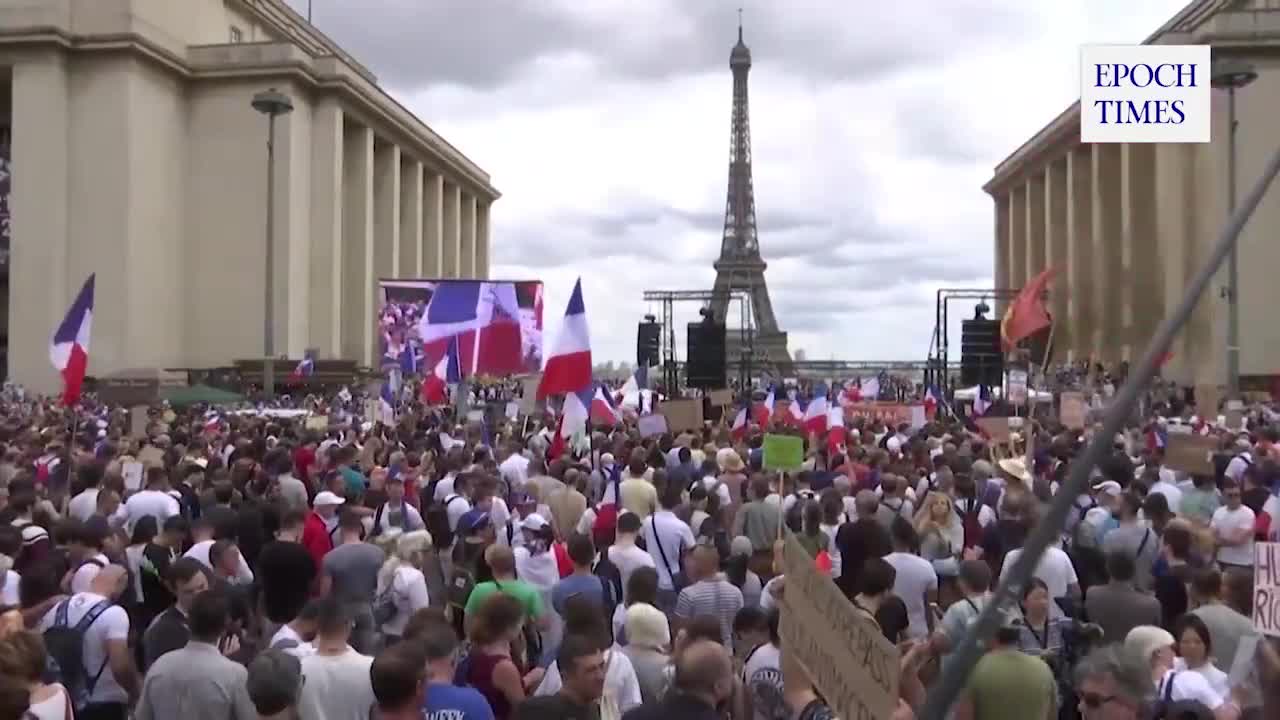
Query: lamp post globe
1232	74
272	102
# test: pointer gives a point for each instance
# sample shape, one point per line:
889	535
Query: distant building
800	355
1127	225
136	155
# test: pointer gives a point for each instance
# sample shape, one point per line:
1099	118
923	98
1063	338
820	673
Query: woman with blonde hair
23	659
941	535
402	588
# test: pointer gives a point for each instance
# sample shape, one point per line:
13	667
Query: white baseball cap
534	521
327	498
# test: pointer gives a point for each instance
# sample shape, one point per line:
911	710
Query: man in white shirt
1055	571
624	553
106	642
93	538
85	503
1232	526
514	469
155	500
915	581
667	538
395	512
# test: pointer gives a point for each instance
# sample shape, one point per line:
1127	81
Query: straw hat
729	460
1015	468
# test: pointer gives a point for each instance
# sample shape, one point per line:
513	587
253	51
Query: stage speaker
648	344
706	367
981	355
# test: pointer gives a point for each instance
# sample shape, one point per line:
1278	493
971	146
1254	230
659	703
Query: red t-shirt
303	458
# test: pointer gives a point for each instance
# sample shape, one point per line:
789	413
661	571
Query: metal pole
957	671
1233	277
268	314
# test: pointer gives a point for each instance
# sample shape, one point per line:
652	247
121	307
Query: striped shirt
718	598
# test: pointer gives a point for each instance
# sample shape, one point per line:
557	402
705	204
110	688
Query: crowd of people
246	566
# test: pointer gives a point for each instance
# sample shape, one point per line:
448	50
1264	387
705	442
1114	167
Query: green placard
783	452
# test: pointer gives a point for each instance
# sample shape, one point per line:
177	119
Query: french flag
795	413
870	389
816	415
930	401
837	436
69	348
739	429
483	316
568	367
765	410
573	420
387	403
602	410
435	387
306	368
982	402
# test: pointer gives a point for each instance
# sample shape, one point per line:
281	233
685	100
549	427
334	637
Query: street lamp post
271	103
1230	75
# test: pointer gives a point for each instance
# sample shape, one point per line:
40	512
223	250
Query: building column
451	253
326	227
1080	251
1138	220
1108	261
410	218
386	222
1035	255
467	254
1001	269
433	225
1055	225
482	240
39	208
1017	237
357	245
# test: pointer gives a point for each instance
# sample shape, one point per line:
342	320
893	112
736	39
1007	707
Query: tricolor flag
870	389
435	387
816	415
573	420
982	401
837	436
568	368
484	317
632	390
602	410
930	401
765	410
69	348
795	412
386	404
742	420
305	368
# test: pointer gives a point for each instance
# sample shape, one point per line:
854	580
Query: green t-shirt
1010	685
522	591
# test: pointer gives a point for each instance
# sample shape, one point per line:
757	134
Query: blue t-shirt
588	585
450	702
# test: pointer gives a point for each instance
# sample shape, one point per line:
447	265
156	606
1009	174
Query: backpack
437	522
611	580
971	524
461	582
794	518
65	644
384	606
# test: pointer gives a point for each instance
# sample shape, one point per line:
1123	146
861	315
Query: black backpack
65	644
437	522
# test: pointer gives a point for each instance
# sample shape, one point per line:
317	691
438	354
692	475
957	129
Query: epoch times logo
1144	94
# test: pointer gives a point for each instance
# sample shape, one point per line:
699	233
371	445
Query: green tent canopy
199	395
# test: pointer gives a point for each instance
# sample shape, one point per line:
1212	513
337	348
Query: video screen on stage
497	325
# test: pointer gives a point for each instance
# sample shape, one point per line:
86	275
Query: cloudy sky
605	124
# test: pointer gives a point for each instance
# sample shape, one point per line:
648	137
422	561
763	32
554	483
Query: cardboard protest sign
1266	588
890	413
783	452
682	414
132	472
720	398
138	421
996	428
651	425
841	650
530	391
1190	453
1072	410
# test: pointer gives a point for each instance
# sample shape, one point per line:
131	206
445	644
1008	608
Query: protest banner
1266	588
138	421
783	452
651	425
1190	453
1072	410
842	650
995	428
890	413
720	398
529	392
683	414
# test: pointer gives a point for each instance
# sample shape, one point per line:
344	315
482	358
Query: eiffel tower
740	266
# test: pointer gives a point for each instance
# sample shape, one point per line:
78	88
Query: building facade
1126	226
136	155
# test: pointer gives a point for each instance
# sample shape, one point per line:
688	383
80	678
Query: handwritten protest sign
721	398
1190	453
890	413
841	650
783	452
1072	410
682	414
651	425
1266	588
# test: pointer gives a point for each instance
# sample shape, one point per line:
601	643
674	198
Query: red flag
1027	314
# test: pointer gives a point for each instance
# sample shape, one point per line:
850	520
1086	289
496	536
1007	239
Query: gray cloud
412	44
